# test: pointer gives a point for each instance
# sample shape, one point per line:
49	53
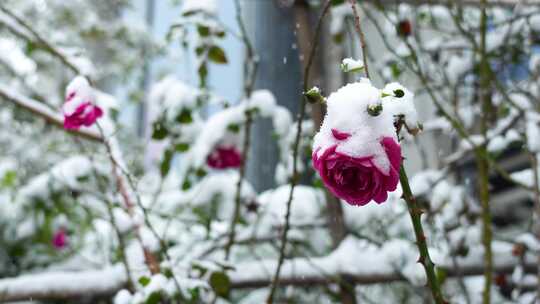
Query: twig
109	205
119	172
250	71
294	177
482	162
44	43
361	35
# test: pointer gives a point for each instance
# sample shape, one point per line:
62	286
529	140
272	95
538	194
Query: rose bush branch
415	211
458	125
482	162
361	36
250	72
294	177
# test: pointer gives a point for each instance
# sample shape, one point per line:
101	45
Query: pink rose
358	180
224	157
79	108
59	240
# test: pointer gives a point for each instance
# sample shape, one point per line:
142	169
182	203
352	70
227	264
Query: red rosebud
404	28
224	158
59	240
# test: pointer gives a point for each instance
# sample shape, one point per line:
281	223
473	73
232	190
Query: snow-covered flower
356	154
80	107
224	157
59	240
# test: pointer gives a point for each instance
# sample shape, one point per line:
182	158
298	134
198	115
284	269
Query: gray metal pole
273	33
141	110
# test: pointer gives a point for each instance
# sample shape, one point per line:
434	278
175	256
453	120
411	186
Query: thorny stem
151	261
361	35
109	205
295	177
482	162
536	198
250	71
416	213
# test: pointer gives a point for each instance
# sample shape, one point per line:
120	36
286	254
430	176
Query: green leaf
200	173
441	275
220	283
159	132
314	95
234	128
195	294
203	30
199	50
30	48
166	162
189	13
154	298
220	34
374	109
186	185
337	2
9	179
144	281
181	147
217	55
396	71
203	73
184	117
399	93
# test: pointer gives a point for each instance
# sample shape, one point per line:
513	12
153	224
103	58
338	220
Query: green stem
482	161
482	166
416	213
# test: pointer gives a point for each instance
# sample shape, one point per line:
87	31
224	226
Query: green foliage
9	179
184	117
217	55
220	283
159	131
165	165
144	281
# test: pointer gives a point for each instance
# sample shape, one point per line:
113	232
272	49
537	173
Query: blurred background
145	208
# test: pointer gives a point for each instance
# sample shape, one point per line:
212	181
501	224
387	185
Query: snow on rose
357	153
80	107
224	157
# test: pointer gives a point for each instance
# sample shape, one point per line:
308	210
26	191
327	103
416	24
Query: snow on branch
63	285
343	262
20	28
43	111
